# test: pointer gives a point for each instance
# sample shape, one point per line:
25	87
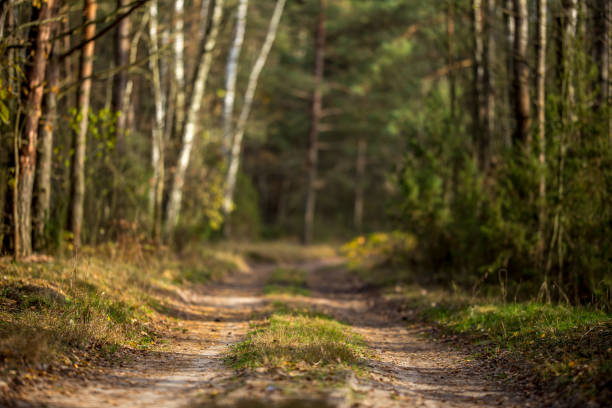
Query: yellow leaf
571	363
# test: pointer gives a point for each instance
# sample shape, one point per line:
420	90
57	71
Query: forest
319	179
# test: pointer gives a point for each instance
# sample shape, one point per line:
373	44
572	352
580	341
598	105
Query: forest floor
202	358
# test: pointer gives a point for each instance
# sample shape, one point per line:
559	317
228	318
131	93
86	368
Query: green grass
279	251
565	346
102	301
290	338
287	281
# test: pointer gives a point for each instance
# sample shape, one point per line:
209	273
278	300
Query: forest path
405	370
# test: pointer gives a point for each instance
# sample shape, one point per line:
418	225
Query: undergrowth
99	302
561	346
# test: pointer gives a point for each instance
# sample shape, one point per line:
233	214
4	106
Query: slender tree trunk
249	95
477	88
33	100
68	66
179	64
77	185
199	86
489	86
566	77
541	126
602	22
522	111
510	32
313	142
230	82
360	167
42	204
120	80
452	80
157	143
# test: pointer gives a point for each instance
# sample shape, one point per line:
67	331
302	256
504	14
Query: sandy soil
406	369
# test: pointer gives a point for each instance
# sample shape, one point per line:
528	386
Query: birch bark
236	146
199	86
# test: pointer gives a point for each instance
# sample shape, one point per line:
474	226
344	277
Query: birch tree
179	63
198	86
79	140
156	189
230	78
249	95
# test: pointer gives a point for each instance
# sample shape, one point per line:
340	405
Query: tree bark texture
40	35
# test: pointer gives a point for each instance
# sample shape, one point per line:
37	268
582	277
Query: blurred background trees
480	127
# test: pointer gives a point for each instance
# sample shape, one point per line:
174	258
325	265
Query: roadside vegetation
69	310
555	345
278	252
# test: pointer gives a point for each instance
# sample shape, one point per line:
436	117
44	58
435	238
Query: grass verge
558	347
297	339
288	281
63	311
281	252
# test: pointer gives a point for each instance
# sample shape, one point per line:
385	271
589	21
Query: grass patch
279	252
290	338
565	346
101	302
289	281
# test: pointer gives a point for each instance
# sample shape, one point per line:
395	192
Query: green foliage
563	346
245	222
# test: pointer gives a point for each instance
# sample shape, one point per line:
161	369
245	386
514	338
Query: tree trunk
77	185
249	95
478	112
522	111
360	167
40	35
489	86
541	125
179	64
42	202
199	86
120	80
230	83
603	15
157	143
510	32
452	80
313	153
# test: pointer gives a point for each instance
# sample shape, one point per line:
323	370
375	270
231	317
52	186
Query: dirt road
405	370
